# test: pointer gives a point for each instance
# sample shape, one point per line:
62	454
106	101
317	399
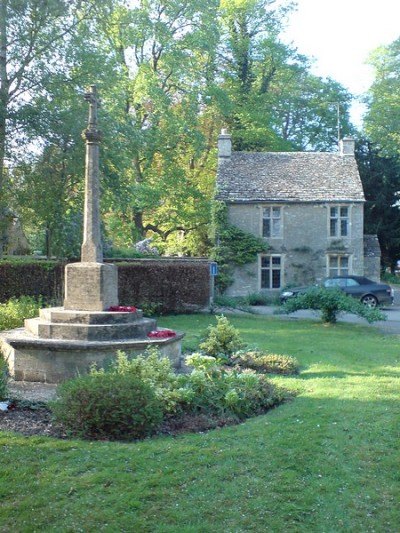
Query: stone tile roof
289	177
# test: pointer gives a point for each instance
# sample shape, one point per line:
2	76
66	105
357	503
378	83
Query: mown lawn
326	462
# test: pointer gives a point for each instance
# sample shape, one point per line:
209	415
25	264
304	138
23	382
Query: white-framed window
339	221
338	265
271	271
272	222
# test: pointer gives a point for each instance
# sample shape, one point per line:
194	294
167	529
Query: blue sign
213	269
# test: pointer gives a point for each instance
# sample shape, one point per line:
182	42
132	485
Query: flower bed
161	334
123	309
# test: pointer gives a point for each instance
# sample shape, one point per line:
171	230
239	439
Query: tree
276	103
380	177
379	154
155	156
382	119
32	34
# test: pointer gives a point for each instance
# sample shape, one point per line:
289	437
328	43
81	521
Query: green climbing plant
233	246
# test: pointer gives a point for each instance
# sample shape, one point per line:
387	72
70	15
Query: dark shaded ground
30	419
35	419
29	414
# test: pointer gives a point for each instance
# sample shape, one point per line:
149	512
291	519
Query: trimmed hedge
156	285
31	278
173	285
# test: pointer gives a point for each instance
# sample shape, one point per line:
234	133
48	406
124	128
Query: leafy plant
3	379
233	246
266	362
222	340
214	389
260	298
13	312
151	368
331	302
108	406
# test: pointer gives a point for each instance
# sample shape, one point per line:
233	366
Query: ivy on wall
233	246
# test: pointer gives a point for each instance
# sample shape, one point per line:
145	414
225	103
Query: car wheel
370	301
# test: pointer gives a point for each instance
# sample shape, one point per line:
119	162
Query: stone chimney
224	146
347	146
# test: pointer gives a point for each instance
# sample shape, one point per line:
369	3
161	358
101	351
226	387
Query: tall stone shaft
91	285
92	250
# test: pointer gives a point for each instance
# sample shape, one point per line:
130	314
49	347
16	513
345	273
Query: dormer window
339	221
272	222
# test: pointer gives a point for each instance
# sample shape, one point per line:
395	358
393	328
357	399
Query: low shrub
108	406
3	379
151	368
331	302
222	339
217	390
260	298
233	302
267	363
131	398
13	312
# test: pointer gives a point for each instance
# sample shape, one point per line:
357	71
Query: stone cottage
13	240
308	206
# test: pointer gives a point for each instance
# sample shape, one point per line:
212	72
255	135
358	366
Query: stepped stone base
61	324
54	361
61	344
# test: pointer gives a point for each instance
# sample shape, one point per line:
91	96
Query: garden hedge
156	285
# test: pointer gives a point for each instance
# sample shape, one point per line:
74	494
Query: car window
352	282
335	282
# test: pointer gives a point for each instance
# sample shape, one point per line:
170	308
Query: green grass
326	462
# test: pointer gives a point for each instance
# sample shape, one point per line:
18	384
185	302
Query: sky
340	34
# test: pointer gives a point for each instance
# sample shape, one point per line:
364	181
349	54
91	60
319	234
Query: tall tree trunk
4	94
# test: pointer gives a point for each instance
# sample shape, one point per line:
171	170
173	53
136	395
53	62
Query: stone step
89	332
59	315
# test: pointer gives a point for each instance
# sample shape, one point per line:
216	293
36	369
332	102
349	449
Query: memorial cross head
94	103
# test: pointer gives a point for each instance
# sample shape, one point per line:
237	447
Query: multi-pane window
339	221
271	271
272	222
338	265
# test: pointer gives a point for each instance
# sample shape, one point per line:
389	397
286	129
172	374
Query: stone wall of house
304	245
372	257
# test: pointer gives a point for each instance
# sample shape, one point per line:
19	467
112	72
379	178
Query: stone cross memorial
91	285
63	342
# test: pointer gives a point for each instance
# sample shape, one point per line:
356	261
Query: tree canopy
170	73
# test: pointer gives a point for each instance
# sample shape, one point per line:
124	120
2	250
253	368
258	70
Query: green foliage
380	176
328	456
222	339
215	390
245	302
124	253
392	279
108	406
13	312
331	302
233	246
209	389
151	308
3	379
152	369
266	362
383	115
268	83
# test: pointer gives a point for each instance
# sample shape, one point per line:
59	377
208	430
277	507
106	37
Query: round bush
108	406
267	362
3	379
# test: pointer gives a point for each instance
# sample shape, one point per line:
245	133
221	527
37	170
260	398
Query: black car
367	291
